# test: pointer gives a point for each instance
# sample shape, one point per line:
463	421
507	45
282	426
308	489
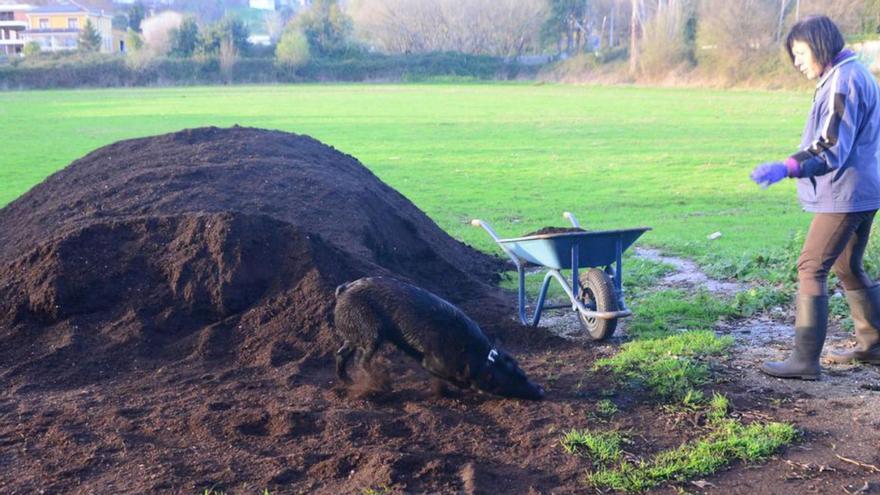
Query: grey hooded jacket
839	151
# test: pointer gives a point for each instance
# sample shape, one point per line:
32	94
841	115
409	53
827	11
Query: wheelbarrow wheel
597	293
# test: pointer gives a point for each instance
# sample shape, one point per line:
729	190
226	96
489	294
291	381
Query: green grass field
516	155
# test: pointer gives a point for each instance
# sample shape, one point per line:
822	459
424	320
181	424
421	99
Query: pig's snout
503	377
537	392
530	391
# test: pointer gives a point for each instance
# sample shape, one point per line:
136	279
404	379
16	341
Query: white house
262	4
13	23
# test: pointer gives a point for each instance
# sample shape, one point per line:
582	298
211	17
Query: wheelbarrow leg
523	318
541	296
618	274
575	262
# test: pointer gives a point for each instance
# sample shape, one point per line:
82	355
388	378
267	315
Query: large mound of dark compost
206	242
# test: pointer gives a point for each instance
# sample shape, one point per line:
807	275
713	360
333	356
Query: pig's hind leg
367	354
343	355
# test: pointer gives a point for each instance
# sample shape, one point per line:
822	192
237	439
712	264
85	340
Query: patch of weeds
382	490
608	392
719	406
670	367
777	266
663	312
839	310
641	274
727	441
690	401
762	298
602	448
693	399
715	408
730	442
606	409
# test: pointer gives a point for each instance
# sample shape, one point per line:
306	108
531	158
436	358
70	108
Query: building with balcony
58	27
13	23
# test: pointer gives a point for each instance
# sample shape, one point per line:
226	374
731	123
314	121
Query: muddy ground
294	429
207	360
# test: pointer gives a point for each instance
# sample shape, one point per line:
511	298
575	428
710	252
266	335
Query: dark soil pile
165	321
195	243
554	230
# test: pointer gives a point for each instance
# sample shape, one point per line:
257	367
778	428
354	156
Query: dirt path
839	414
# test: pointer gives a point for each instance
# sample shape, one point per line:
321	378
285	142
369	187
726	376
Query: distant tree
276	21
634	30
504	28
871	17
566	24
185	39
736	35
231	30
157	32
851	16
668	38
327	28
136	14
89	39
32	49
133	40
293	49
228	55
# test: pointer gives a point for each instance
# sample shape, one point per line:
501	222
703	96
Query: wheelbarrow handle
571	218
480	223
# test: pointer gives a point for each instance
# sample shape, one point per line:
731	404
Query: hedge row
113	71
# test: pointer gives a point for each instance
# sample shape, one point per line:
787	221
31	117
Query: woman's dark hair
820	34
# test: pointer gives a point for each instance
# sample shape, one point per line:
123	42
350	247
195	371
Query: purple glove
769	173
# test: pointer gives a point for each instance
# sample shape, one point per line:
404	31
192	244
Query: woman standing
838	179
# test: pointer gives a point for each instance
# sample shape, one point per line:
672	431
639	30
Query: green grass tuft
762	298
670	367
640	275
693	399
668	311
729	442
605	408
718	408
601	448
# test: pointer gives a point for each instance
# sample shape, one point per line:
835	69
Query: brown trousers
835	241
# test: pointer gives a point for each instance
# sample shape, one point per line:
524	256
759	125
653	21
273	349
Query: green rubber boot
864	306
810	326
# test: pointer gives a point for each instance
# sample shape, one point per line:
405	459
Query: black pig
449	345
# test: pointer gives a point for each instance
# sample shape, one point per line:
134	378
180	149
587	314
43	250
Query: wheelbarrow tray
594	249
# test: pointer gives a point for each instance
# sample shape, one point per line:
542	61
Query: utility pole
611	24
782	5
634	38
